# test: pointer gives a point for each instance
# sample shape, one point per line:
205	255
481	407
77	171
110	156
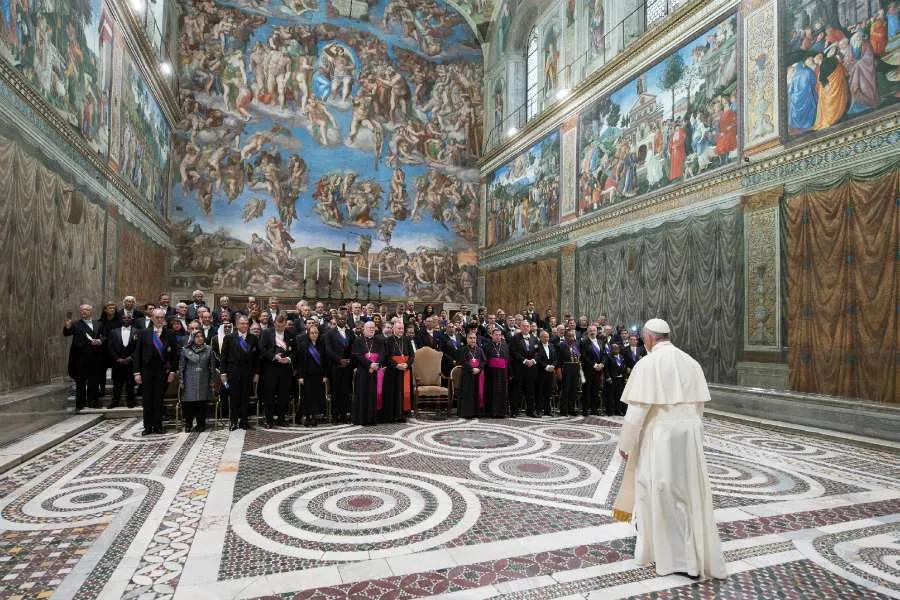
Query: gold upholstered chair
431	391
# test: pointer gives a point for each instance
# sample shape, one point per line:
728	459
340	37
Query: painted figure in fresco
235	90
503	22
333	79
676	152
386	229
859	59
832	89
253	209
362	117
551	63
595	22
398	202
321	121
498	103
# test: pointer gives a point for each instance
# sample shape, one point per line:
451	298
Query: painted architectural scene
523	195
320	152
843	61
64	49
144	139
674	122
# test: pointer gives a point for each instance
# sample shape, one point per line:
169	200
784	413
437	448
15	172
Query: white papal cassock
666	489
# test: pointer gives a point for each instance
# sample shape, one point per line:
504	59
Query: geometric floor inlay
516	509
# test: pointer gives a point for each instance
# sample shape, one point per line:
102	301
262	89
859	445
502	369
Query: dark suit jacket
268	349
632	359
432	341
209	335
589	357
116	349
192	311
234	360
337	347
147	357
83	355
542	359
518	352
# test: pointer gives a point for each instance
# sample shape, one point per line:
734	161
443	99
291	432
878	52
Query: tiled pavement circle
515	509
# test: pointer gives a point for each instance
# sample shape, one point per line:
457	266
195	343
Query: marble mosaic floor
478	509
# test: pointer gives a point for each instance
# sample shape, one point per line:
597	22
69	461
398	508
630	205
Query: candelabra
357	290
329	289
304	287
369	291
379	291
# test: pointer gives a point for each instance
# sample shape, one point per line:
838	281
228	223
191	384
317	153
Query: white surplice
666	488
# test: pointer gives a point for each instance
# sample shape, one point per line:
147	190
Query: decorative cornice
650	47
145	59
27	110
846	149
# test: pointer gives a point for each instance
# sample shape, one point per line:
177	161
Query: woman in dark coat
312	371
196	373
470	395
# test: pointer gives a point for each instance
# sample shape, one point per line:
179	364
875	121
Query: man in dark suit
206	326
129	309
120	344
592	355
165	304
194	306
274	308
239	359
547	360
428	335
145	322
451	343
339	349
522	349
633	353
532	316
86	357
217	343
276	347
154	368
223	305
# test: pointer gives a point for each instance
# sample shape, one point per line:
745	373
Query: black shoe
113	405
268	426
313	422
146	432
530	414
130	405
232	427
187	430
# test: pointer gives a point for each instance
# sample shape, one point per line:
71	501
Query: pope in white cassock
666	489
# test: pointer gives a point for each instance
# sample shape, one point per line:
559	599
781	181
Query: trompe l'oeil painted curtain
511	288
841	254
689	272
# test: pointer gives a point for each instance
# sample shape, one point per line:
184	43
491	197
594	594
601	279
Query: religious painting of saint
551	60
523	195
839	63
673	122
64	50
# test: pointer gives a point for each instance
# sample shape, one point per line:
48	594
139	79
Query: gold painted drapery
689	272
512	287
841	254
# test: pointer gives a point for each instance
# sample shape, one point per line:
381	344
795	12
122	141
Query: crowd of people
360	355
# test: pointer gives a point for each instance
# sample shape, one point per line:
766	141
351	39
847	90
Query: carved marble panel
762	274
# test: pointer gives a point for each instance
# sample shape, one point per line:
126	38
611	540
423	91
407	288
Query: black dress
312	369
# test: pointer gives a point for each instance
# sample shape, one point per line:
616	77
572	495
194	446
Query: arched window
532	66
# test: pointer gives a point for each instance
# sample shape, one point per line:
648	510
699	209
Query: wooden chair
455	380
430	387
172	401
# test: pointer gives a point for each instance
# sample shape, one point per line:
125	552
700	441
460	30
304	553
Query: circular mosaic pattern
570	434
79	504
732	476
783	446
350	516
360	447
536	471
476	440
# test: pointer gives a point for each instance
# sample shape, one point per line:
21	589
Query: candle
317	269
329	269
304	268
369	271
357	272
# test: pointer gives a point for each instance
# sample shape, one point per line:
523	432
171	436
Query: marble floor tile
514	509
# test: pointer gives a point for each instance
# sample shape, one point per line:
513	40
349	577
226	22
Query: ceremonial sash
497	363
407	381
243	344
474	362
379	380
157	343
315	354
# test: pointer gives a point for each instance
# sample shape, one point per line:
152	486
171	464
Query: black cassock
366	352
496	379
397	390
470	395
312	372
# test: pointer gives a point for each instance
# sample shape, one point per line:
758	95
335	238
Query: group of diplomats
363	358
